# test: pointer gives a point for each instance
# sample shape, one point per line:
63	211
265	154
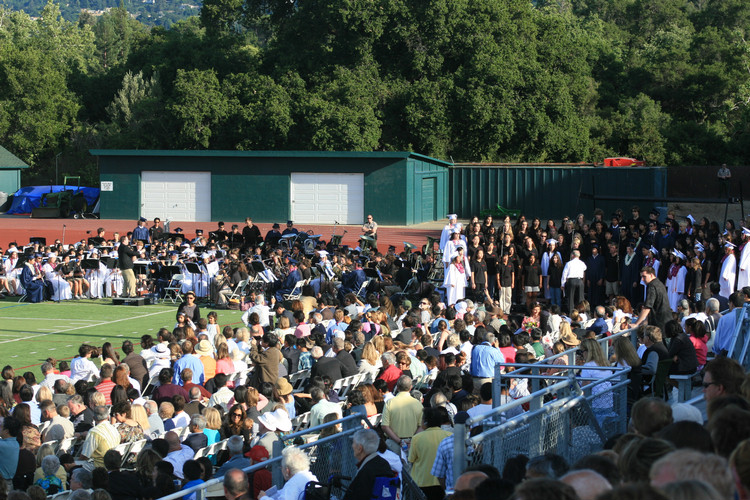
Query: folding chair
172	292
238	290
362	292
296	292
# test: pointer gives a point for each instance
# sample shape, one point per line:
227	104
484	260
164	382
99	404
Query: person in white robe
728	270
456	278
451	248
445	236
96	277
60	286
676	280
743	277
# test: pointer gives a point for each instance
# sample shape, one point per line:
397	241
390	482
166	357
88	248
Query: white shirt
573	269
83	369
294	489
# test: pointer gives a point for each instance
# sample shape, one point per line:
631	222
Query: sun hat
204	348
283	387
277	420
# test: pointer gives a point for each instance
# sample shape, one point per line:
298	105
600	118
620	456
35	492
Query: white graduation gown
455	285
727	275
676	288
743	279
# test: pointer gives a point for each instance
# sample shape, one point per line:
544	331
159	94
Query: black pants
574	290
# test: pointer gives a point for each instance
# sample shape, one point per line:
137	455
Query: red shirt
106	389
204	392
391	376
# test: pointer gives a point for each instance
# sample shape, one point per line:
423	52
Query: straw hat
569	338
204	348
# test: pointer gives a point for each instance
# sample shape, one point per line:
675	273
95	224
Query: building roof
10	161
268	154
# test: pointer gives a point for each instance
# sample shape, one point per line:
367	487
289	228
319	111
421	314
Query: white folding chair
296	292
172	292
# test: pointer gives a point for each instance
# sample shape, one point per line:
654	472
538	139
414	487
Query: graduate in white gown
456	278
676	279
743	275
54	274
728	270
452	246
96	277
447	231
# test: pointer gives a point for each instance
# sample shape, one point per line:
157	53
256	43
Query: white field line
53	319
87	326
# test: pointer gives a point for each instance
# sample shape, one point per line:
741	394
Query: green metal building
10	171
313	187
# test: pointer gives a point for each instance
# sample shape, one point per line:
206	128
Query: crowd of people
426	336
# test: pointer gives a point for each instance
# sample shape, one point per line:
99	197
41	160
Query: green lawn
30	333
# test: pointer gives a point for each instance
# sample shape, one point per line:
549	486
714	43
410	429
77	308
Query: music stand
371	273
22	258
90	264
194	268
168	271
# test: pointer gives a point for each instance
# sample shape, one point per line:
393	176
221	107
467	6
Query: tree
198	106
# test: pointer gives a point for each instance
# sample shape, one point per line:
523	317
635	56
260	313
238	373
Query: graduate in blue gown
32	280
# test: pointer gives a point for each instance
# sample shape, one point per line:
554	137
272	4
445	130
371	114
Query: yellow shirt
422	455
403	414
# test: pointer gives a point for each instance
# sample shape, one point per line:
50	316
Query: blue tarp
28	198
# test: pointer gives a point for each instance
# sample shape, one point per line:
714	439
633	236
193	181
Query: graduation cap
552	241
654	212
452	216
653	250
691	219
142	219
275	225
700	247
745	231
289	223
178	230
729	244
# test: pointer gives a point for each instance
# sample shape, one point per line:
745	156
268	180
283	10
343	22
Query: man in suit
195	407
138	368
348	366
325	366
370	465
196	439
266	358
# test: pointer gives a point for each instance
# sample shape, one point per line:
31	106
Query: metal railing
330	455
565	417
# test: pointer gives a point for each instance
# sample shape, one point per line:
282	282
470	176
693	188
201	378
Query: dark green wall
260	186
10	180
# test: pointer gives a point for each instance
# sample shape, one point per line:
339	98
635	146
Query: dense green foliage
495	80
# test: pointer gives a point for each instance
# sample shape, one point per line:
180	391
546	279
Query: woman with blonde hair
213	424
43	394
370	362
283	328
625	355
223	361
139	415
242	337
379	344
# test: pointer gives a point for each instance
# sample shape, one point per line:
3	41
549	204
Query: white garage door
327	198
179	196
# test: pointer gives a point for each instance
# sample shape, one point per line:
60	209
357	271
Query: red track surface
21	228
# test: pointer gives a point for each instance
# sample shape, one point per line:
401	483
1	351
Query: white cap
552	241
691	219
729	244
452	216
745	231
461	307
322	253
456	230
653	249
700	247
726	232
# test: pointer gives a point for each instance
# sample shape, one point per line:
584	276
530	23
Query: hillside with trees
667	81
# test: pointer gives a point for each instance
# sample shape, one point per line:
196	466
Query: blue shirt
9	448
725	330
484	357
189	361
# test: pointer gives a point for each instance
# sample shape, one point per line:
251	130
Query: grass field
31	333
